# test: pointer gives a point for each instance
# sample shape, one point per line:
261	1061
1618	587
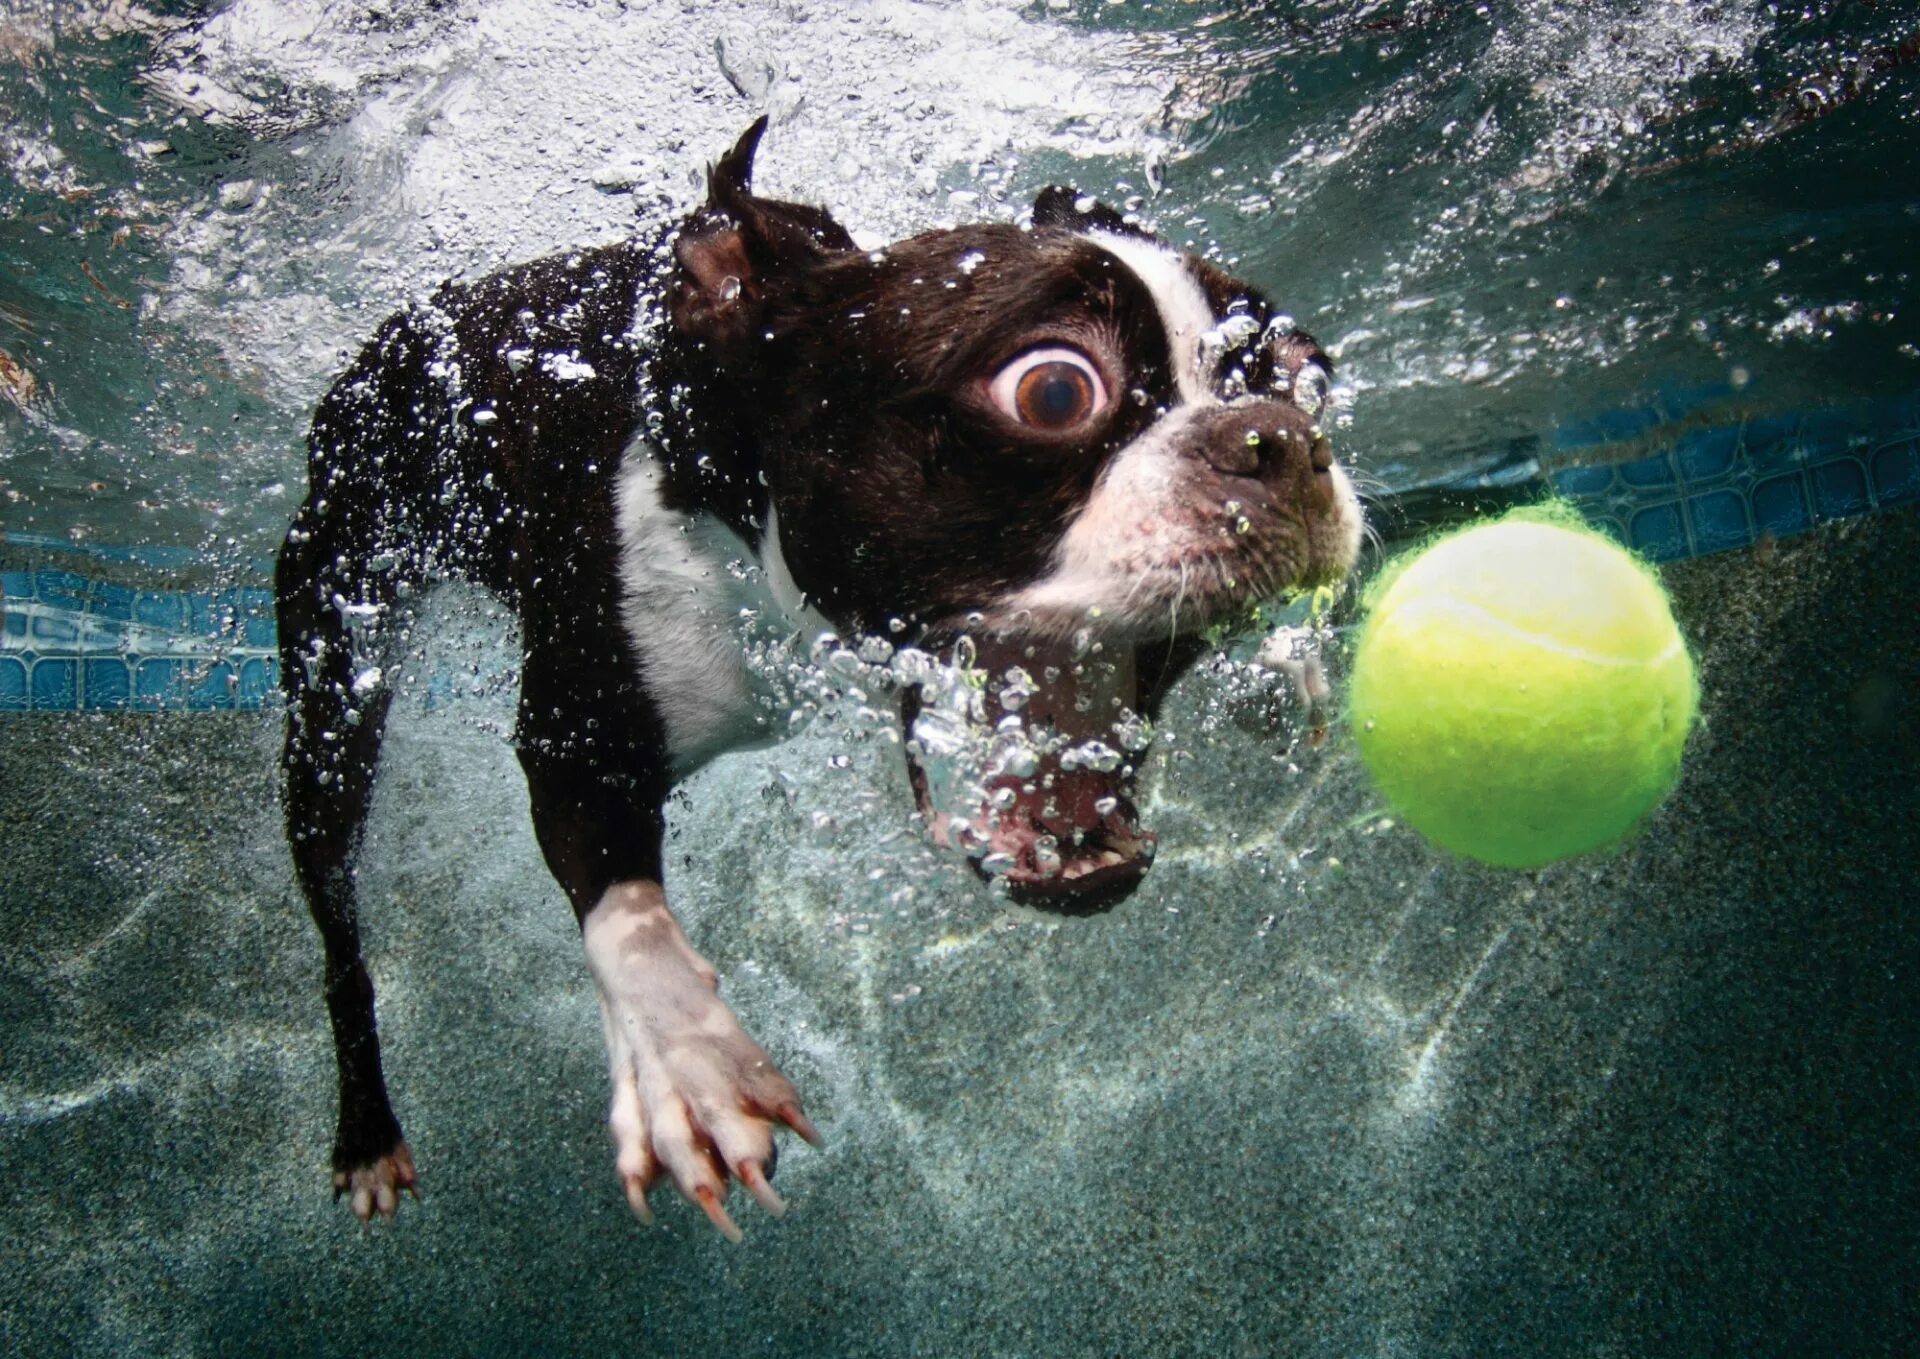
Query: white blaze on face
1120	533
1122	553
1184	310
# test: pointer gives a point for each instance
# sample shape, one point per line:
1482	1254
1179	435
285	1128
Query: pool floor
1314	1090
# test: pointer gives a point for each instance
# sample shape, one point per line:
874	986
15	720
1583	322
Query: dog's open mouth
1023	754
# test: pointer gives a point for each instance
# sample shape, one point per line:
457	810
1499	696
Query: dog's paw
695	1099
376	1186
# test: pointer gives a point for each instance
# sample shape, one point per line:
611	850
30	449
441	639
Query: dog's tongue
1047	805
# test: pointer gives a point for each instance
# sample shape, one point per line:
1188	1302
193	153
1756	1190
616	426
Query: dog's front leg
694	1097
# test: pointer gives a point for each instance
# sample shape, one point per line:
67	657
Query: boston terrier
1059	448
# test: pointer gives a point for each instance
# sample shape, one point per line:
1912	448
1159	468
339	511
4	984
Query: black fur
768	361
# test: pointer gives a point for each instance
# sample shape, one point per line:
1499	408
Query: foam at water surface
1499	217
453	141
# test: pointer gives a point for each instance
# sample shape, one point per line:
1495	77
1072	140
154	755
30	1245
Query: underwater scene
940	514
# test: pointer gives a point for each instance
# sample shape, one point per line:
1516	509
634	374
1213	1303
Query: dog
1063	446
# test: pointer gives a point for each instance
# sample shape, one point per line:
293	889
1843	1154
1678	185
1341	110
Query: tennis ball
1520	691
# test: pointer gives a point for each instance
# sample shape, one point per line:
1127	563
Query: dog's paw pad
376	1186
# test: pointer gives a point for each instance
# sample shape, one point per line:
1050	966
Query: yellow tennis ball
1520	691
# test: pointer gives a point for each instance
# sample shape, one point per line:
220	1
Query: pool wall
1654	477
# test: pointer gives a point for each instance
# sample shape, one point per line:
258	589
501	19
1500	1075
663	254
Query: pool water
1316	1088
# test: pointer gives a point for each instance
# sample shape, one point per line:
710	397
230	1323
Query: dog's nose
1238	457
1266	438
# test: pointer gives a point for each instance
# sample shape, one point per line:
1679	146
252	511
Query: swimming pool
1315	1088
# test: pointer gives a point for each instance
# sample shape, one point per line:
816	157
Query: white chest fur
692	596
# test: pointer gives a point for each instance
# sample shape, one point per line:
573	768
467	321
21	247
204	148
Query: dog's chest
696	600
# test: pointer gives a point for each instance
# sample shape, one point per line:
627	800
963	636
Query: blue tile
1780	506
161	611
113	601
62	589
109	683
1707	453
13	684
1772	445
205	615
1839	489
1645	472
1608	427
54	629
1896	473
100	635
1579	481
259	683
1896	421
1659	532
16	624
1610	526
54	685
1832	431
16	584
216	690
258	630
1719	522
157	682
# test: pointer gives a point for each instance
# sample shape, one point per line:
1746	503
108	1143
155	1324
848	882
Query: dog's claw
789	1113
376	1187
710	1201
636	1191
755	1179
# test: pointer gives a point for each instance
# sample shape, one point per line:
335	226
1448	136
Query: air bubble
1133	732
998	863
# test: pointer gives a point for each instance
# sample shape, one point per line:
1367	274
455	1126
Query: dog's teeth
1104	858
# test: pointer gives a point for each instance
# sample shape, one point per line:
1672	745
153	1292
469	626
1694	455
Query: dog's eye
1053	389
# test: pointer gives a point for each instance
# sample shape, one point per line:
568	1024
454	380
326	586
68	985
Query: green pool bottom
1314	1090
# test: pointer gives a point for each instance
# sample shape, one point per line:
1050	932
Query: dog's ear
737	247
1071	210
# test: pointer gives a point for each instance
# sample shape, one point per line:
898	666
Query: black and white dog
1067	442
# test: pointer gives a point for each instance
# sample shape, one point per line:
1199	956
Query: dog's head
1064	441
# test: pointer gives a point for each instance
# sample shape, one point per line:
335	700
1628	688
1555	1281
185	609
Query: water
1315	1088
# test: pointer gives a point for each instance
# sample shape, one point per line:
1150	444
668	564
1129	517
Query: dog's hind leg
333	743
